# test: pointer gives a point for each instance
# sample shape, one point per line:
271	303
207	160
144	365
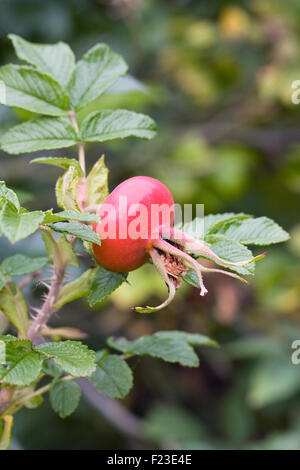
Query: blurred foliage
217	76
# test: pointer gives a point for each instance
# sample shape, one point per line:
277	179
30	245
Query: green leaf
23	365
66	189
60	162
192	278
113	377
194	339
34	402
4	323
108	125
128	84
56	60
97	186
60	251
64	397
39	134
97	71
259	231
78	230
82	217
167	349
34	91
68	254
211	220
16	226
194	228
2	281
72	356
51	369
200	226
20	264
232	251
171	346
71	215
101	354
8	338
76	289
7	194
103	284
13	305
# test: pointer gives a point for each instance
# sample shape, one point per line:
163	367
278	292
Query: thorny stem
41	319
39	322
47	309
45	312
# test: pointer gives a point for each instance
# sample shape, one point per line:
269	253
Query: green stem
42	390
81	153
15	406
6	432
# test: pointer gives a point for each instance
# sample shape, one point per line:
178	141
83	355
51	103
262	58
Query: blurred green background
217	77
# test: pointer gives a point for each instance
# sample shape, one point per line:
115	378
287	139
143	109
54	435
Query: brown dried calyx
173	255
174	267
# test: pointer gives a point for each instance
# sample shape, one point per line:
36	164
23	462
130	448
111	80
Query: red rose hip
137	223
131	217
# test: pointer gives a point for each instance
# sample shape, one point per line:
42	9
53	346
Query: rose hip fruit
132	198
136	224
